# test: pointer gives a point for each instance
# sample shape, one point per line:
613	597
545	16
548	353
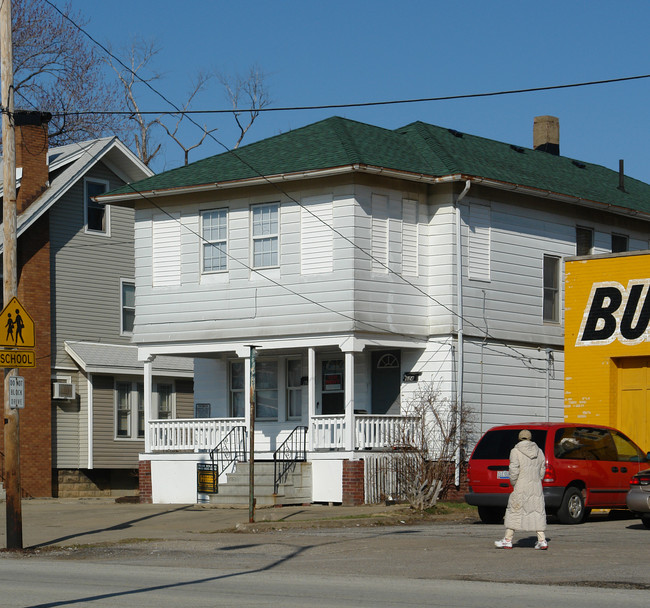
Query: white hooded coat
526	509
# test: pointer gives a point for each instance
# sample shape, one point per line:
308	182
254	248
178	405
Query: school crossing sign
16	332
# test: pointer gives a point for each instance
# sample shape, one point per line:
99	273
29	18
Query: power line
363	104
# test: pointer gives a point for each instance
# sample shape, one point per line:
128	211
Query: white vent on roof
63	390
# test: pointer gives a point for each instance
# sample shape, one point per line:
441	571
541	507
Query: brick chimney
546	134
31	155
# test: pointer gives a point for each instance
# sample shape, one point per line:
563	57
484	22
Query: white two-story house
361	263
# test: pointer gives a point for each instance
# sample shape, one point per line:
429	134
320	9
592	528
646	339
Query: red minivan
587	466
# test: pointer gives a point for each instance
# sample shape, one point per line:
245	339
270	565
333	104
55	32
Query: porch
325	433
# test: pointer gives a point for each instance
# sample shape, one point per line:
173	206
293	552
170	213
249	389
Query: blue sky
348	52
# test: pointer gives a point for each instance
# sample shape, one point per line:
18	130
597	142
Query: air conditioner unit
64	390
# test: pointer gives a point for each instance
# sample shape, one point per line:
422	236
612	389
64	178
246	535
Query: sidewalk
82	521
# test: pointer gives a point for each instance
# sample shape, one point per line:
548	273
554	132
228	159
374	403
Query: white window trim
204	241
558	260
123	282
264	236
107	208
133	416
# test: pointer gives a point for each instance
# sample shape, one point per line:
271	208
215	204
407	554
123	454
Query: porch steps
295	490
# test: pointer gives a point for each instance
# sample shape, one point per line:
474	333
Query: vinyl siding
86	270
109	453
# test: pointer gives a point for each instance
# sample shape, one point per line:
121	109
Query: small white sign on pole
16	392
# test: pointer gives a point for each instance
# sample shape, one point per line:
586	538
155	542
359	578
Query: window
215	240
165	401
237	387
584	241
96	214
129	415
266	389
620	243
294	389
128	306
551	307
265	235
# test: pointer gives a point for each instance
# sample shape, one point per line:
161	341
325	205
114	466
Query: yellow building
607	342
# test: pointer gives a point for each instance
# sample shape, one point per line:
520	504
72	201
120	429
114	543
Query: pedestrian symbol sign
16	326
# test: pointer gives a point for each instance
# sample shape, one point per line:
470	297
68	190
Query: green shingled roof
417	148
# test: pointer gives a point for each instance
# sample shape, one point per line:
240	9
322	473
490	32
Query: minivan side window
627	451
584	443
496	445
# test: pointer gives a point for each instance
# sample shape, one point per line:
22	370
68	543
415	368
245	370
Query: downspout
91	414
459	332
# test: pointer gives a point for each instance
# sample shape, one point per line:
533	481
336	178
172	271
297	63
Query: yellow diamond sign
16	326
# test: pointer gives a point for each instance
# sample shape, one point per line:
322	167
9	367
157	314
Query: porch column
247	401
349	401
148	390
311	392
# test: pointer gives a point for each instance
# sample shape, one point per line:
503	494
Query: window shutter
479	242
166	249
410	237
379	232
316	252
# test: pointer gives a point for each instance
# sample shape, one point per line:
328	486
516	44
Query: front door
386	381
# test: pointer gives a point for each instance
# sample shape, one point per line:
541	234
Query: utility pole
251	436
10	286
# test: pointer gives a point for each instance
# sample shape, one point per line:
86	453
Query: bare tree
58	71
426	446
197	86
134	76
250	90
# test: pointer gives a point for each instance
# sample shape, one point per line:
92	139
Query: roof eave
126	199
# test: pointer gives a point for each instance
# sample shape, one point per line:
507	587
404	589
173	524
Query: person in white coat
526	510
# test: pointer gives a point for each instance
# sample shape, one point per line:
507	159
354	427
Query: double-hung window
128	306
265	235
165	401
551	307
129	414
215	240
95	214
266	389
294	389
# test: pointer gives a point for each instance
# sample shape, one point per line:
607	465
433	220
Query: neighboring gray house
363	264
89	397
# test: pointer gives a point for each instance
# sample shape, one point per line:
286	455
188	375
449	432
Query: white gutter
373	170
460	328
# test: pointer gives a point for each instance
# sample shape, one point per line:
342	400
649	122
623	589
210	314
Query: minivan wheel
491	515
572	510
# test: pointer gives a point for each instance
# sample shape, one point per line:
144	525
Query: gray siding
109	453
86	270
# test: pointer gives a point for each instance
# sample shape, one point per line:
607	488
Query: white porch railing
191	435
381	431
371	432
327	432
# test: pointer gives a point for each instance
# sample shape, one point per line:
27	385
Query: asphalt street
105	554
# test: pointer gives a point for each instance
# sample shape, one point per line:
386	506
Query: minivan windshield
497	444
